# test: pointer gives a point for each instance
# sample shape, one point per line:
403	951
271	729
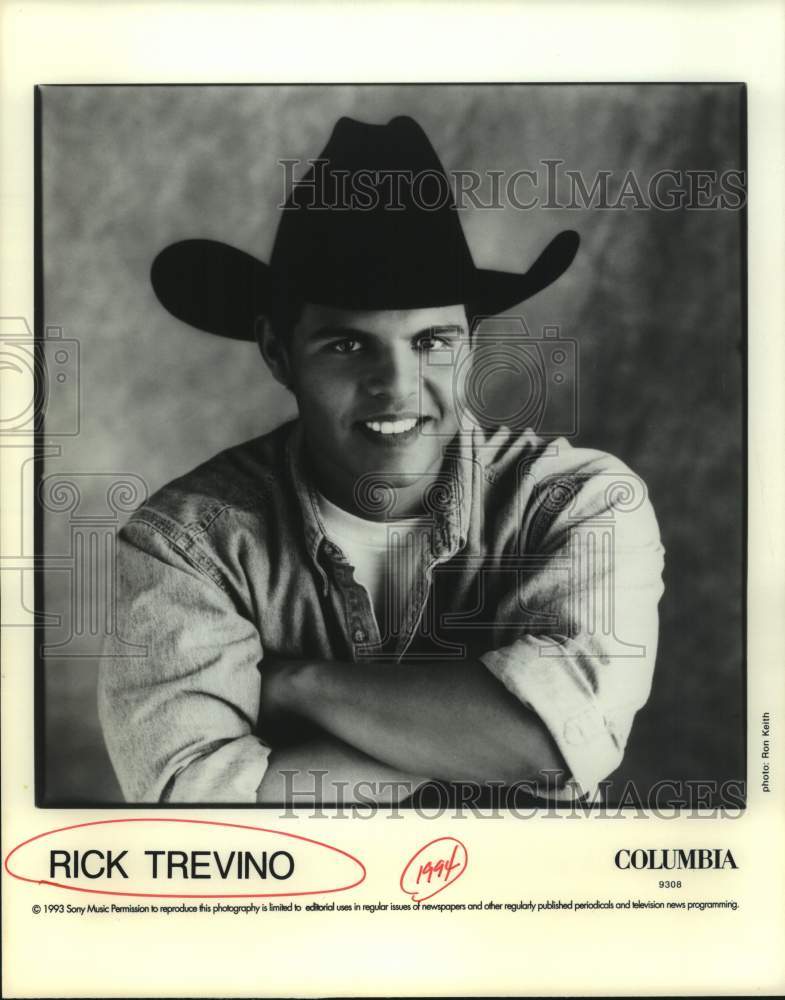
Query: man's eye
433	343
347	346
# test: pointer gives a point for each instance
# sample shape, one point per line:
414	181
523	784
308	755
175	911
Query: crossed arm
182	722
387	723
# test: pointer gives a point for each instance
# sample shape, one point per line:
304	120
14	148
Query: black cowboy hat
372	225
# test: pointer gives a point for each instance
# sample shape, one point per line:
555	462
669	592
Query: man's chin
400	485
399	468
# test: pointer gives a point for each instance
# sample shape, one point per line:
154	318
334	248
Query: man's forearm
449	720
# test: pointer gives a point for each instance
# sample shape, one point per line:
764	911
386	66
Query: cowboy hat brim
217	288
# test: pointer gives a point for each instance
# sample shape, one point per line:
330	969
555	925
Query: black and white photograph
394	446
391	569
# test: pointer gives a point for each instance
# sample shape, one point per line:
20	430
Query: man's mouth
392	430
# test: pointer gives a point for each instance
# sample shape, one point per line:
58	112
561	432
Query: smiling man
379	594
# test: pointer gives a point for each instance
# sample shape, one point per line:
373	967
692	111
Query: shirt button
359	635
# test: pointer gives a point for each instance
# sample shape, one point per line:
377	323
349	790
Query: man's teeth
392	426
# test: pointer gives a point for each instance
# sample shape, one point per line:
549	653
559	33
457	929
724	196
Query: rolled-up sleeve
178	691
590	582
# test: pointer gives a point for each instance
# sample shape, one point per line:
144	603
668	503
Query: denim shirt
544	562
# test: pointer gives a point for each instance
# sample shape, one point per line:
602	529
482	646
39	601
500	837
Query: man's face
377	392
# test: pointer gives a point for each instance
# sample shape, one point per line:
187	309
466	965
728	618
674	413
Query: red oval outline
180	895
436	840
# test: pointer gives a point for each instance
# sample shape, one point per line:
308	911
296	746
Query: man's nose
394	376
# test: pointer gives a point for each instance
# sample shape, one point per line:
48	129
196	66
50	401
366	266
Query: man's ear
273	352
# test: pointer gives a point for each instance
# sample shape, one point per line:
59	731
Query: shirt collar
449	500
313	526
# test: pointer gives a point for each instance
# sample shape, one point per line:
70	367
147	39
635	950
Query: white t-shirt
383	554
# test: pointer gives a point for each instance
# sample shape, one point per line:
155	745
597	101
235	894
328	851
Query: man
377	592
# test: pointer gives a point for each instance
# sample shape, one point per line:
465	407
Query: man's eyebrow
456	328
333	332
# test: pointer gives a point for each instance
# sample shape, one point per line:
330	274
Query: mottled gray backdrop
653	300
